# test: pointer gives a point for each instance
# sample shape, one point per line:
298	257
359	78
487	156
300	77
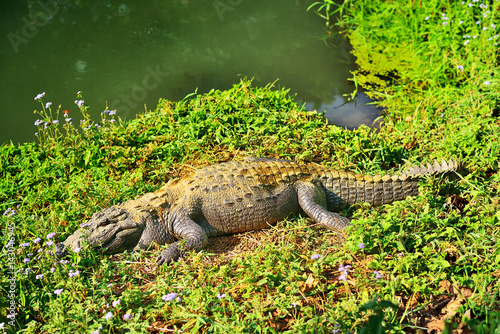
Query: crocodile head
111	230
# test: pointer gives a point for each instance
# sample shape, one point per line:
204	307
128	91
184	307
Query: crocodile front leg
312	199
183	228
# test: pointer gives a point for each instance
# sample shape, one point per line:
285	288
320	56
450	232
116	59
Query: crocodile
234	197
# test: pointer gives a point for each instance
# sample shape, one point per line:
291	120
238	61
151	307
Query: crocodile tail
443	167
378	190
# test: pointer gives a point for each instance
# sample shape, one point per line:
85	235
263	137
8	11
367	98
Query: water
125	55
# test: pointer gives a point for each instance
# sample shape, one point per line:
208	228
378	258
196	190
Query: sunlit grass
418	264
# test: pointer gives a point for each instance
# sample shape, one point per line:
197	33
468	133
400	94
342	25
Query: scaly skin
235	197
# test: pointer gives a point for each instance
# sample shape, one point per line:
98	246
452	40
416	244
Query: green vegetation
426	262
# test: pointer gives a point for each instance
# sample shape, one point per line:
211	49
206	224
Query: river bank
418	264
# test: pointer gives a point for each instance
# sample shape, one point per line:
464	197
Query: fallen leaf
309	284
444	286
451	309
437	325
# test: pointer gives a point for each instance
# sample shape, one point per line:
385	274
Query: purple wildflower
39	96
126	316
378	275
116	303
58	291
26	260
48	104
221	295
73	273
315	257
361	246
108	315
39	276
51	235
169	297
344	270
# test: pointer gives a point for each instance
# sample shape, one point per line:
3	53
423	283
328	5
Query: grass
428	262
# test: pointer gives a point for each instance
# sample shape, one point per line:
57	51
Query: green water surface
125	55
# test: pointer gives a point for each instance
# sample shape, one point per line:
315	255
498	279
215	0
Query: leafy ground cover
420	264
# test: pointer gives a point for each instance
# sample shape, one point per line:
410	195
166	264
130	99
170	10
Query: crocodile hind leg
183	228
312	199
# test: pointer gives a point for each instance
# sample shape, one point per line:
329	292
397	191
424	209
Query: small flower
293	305
27	271
344	270
315	257
126	316
460	67
378	275
40	250
169	297
38	122
37	240
26	244
58	291
109	285
221	295
427	18
73	273
39	276
79	92
116	303
26	260
77	250
69	119
108	315
79	102
49	243
55	121
40	96
51	235
52	269
361	245
48	104
486	83
466	42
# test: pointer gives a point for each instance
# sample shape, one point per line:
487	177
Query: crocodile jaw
112	230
